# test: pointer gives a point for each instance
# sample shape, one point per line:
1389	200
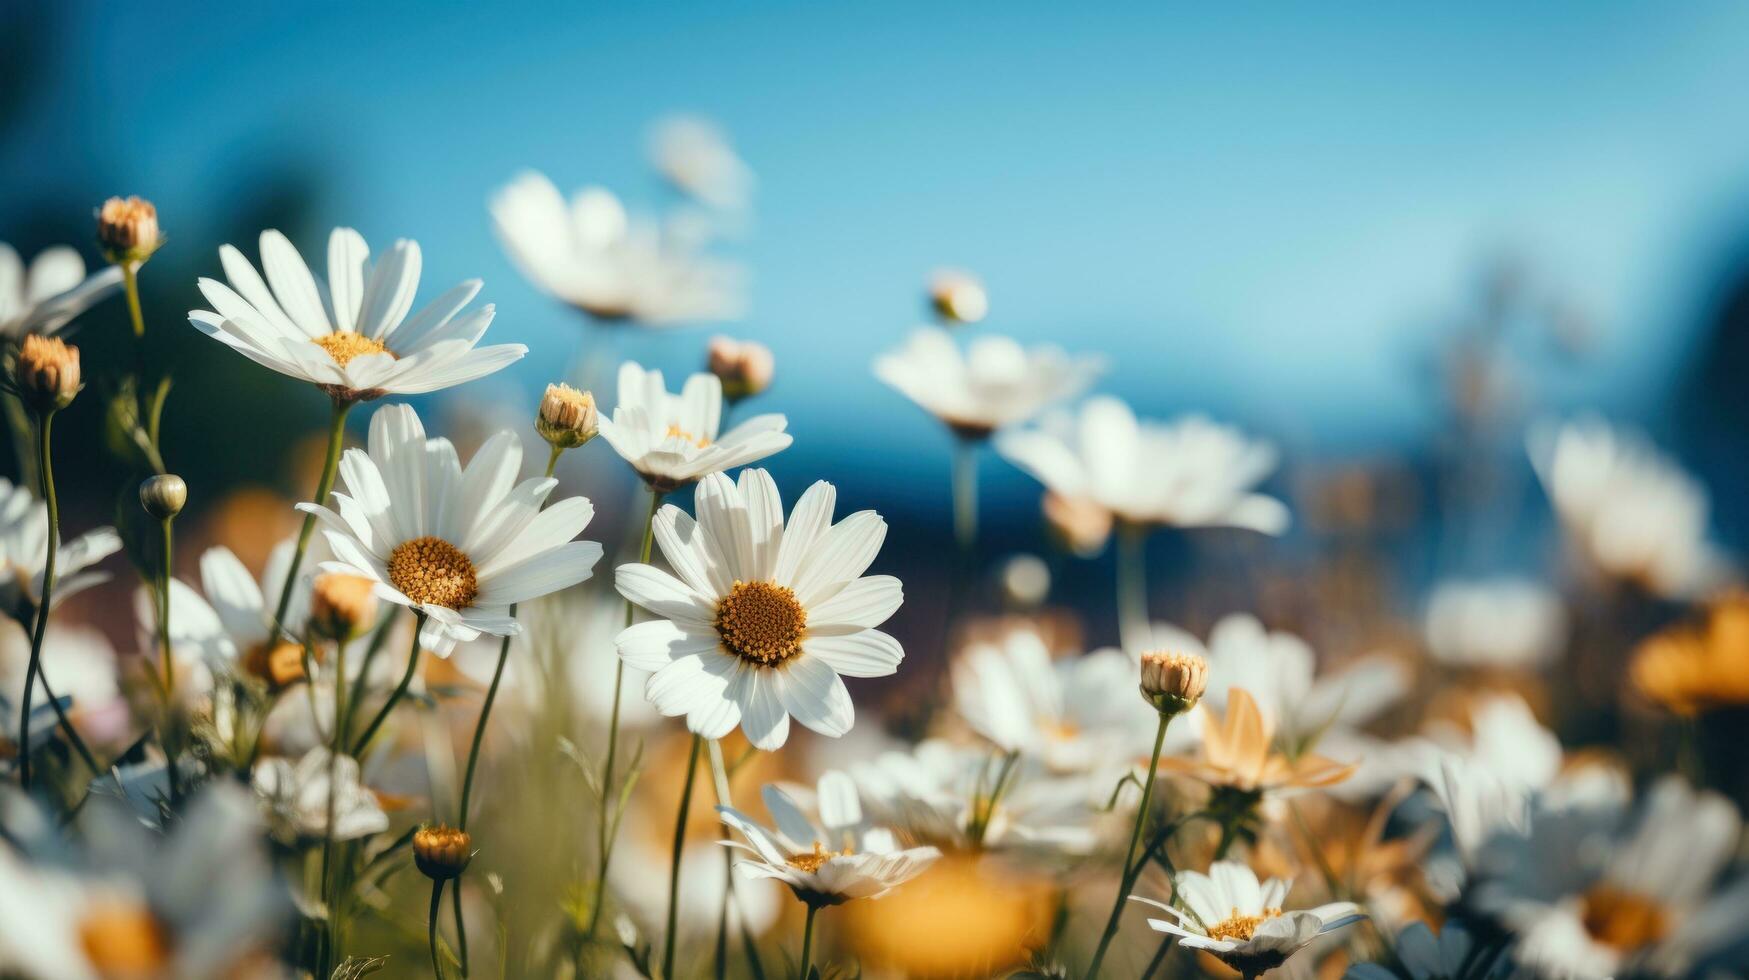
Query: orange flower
1688	669
1236	753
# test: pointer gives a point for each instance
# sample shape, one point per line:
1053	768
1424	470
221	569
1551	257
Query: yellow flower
1236	754
1692	668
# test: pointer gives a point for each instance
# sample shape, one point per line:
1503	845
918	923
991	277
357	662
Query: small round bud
568	417
442	852
47	373
1078	524
128	229
1173	682
744	366
163	495
1026	581
958	296
341	605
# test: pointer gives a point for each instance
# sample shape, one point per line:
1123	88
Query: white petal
869	653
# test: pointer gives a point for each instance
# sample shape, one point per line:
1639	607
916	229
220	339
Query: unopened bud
745	367
47	373
341	605
958	297
1173	682
128	229
568	417
1078	524
279	664
163	495
442	852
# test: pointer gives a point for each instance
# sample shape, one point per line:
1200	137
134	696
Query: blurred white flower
24	540
1630	510
1188	473
52	292
294	798
349	335
958	296
695	156
1495	623
1242	921
590	254
457	545
762	620
829	859
82	666
995	383
672	440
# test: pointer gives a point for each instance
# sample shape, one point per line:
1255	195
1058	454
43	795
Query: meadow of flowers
455	725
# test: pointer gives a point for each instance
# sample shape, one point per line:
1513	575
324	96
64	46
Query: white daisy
351	335
995	383
1241	921
1632	512
82	666
761	618
696	157
24	540
457	546
590	254
294	798
52	292
1188	473
671	440
1493	623
828	860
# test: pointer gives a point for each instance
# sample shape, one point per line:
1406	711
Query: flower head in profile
993	384
350	335
695	155
830	858
1237	754
459	546
1241	921
1188	473
762	619
957	296
589	253
294	798
672	440
24	537
51	292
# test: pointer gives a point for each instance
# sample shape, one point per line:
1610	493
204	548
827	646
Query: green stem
337	744
1132	587
604	836
461	927
1131	868
45	423
336	438
965	493
431	927
377	641
130	282
168	736
674	865
399	692
807	961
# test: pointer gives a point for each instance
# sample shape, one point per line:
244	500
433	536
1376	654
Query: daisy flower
24	540
1242	921
591	254
762	619
672	440
82	665
48	295
1188	473
458	546
294	798
1495	623
1236	754
696	157
829	859
995	383
350	335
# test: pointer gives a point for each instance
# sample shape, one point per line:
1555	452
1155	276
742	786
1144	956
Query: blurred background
1384	241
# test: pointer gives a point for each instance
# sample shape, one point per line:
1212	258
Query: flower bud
568	417
958	297
442	852
341	605
128	229
1078	524
1173	682
163	495
47	373
744	366
280	665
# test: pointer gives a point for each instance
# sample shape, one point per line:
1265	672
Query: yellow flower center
432	570
812	861
676	432
1622	919
122	939
1239	927
344	345
761	622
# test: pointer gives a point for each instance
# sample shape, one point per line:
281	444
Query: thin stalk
461	927
377	642
720	774
1131	868
431	927
965	493
130	282
337	745
399	692
1132	587
604	842
45	422
336	438
168	736
805	965
674	865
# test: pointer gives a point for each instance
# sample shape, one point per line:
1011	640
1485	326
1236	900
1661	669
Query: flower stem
400	689
165	574
1131	868
1132	587
806	963
45	422
604	835
965	493
431	927
720	782
337	745
336	438
130	284
674	865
